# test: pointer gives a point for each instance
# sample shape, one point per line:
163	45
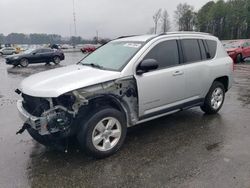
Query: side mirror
147	65
34	53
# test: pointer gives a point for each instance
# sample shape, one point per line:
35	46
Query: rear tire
102	133
24	62
214	99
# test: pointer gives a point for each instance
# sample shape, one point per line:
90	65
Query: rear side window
202	49
212	47
47	50
165	53
191	50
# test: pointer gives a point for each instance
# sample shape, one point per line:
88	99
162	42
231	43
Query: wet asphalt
186	149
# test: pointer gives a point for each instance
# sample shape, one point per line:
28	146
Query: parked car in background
238	50
8	51
66	46
42	55
126	82
89	48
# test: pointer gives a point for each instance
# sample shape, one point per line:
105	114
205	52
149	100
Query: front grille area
35	105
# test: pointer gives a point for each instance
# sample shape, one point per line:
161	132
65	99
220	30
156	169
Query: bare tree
156	19
165	21
185	17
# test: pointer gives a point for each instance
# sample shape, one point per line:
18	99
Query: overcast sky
111	18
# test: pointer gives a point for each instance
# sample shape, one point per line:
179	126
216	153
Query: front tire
103	133
56	60
24	62
214	99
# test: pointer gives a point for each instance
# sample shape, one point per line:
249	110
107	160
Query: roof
144	38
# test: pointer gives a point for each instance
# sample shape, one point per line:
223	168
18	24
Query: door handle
178	73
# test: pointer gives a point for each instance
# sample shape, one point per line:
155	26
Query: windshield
233	44
112	56
28	51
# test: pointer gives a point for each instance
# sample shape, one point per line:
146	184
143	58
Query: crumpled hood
54	83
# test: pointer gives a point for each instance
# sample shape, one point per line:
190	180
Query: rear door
47	55
8	51
196	67
161	89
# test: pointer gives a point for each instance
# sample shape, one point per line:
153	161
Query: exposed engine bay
53	115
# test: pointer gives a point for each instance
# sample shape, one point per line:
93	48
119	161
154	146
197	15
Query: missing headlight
66	101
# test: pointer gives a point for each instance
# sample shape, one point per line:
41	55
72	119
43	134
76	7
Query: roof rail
121	37
184	32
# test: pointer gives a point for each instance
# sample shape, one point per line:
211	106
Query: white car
126	82
8	51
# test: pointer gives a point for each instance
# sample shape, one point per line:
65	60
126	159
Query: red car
88	48
238	50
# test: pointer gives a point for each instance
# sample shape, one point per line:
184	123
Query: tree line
224	19
35	38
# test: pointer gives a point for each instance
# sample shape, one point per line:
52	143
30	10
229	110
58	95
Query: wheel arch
224	80
101	101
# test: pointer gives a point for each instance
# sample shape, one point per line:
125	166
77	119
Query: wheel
214	99
24	62
239	58
56	60
103	133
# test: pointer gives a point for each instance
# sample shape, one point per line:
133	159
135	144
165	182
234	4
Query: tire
239	58
24	62
214	99
108	127
56	60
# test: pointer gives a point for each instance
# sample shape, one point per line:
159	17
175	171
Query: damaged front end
45	115
50	116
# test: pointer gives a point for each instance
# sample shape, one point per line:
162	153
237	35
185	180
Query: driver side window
165	53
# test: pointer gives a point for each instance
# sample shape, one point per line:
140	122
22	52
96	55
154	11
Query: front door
163	88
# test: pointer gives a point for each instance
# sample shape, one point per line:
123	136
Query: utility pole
97	36
74	16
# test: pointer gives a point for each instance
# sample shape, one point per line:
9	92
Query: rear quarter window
212	48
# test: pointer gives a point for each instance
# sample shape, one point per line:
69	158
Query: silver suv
8	51
126	82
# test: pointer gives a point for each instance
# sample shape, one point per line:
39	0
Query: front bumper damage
41	124
37	123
